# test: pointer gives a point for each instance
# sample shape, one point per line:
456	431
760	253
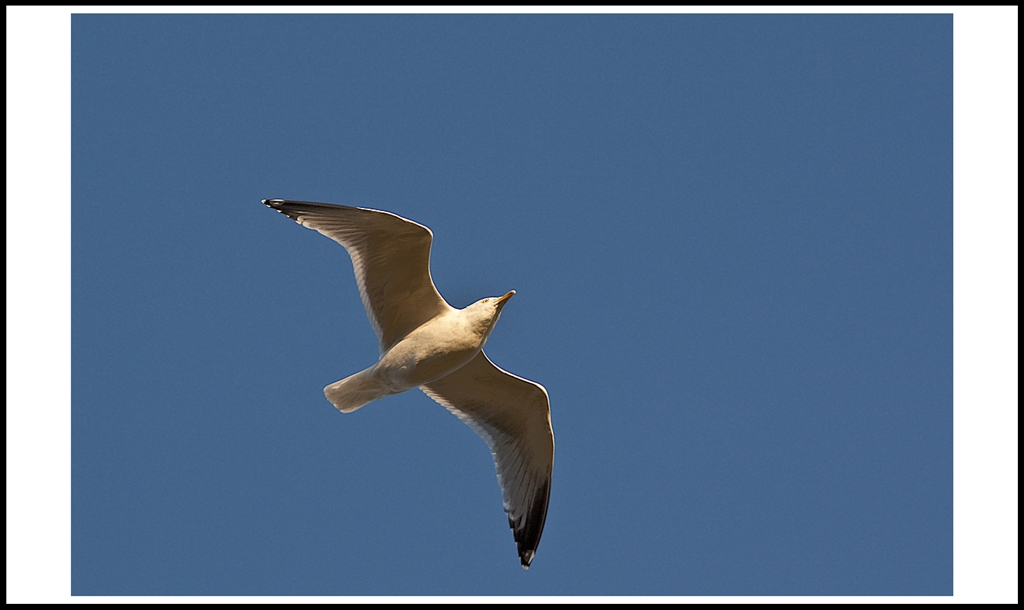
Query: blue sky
731	239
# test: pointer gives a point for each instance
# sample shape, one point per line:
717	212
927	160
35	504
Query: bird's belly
423	357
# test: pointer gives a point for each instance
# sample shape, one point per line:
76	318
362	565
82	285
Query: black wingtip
285	207
526	559
527	535
290	204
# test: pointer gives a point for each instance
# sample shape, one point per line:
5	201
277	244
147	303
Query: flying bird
427	343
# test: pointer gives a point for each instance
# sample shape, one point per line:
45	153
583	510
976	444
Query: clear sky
731	241
731	238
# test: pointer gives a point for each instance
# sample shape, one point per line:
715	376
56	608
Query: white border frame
39	303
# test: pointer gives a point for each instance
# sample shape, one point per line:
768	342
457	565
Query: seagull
427	343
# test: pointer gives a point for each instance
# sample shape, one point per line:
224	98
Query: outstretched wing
512	414
391	259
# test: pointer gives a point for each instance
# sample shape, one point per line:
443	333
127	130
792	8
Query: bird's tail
353	392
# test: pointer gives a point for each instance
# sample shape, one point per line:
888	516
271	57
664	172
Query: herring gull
427	343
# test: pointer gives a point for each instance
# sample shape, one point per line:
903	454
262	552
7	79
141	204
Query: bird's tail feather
353	392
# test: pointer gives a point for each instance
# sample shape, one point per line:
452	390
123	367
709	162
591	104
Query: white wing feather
512	415
390	257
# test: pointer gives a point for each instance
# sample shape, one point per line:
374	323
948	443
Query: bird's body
429	344
436	348
439	346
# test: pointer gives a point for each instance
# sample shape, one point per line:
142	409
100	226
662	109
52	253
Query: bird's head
486	311
497	303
